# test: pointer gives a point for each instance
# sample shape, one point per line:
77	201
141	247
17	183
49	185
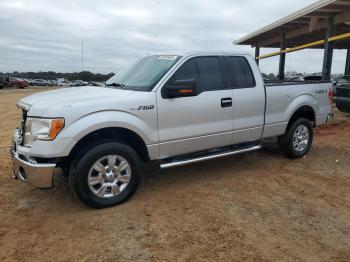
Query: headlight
42	129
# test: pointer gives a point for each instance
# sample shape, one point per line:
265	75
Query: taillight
330	95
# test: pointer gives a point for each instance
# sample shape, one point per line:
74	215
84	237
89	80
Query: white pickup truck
174	109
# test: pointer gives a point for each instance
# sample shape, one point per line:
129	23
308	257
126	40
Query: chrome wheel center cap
109	176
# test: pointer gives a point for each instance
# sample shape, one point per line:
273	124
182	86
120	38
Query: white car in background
295	78
40	82
64	83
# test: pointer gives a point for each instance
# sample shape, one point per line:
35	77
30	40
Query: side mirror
181	88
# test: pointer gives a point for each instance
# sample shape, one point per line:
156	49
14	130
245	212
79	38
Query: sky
43	35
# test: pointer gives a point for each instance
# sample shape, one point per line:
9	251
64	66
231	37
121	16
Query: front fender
104	119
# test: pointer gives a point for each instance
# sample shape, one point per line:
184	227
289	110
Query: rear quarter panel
282	101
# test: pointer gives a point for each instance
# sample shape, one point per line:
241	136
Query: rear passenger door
200	122
248	99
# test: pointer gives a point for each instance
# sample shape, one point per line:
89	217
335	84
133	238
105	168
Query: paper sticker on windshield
167	57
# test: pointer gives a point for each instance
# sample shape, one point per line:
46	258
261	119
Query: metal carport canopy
304	26
324	24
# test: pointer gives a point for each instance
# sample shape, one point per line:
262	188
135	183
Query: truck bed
284	97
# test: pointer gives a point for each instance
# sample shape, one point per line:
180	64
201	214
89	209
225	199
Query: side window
210	74
205	70
186	72
241	75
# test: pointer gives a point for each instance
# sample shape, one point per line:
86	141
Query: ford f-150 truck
173	109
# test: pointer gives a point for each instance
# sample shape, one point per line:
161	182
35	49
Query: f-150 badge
149	107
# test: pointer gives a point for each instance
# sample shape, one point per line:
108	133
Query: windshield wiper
117	85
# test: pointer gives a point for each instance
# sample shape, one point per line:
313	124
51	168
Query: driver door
198	122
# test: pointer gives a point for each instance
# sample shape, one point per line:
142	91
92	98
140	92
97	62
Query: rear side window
205	70
241	75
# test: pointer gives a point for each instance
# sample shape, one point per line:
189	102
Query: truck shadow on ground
157	181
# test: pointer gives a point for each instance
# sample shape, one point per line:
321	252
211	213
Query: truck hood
39	103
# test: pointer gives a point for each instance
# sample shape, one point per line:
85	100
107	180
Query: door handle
226	102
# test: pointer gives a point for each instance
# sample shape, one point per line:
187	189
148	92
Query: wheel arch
303	111
120	134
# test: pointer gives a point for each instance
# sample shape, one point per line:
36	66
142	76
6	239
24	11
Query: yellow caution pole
300	47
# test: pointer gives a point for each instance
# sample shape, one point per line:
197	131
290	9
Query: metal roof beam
343	3
308	45
342	18
291	17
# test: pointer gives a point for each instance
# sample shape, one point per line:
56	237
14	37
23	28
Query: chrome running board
185	161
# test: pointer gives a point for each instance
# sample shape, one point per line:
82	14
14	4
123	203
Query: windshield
144	74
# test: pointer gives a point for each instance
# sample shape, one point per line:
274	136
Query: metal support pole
328	50
82	54
282	63
257	53
347	64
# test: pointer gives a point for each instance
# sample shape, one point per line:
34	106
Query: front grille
343	92
23	125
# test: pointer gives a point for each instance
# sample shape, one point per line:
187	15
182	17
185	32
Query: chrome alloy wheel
109	176
301	138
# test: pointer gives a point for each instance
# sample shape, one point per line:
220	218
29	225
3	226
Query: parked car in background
295	78
313	78
79	83
93	84
342	93
2	82
74	83
52	82
40	82
31	82
16	82
64	83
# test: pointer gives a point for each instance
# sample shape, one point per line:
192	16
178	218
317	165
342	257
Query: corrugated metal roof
305	25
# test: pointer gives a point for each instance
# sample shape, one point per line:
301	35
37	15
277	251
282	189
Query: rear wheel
106	175
297	140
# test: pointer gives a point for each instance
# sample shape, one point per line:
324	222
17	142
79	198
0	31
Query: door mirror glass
181	88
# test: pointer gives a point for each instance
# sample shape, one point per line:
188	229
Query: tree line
52	75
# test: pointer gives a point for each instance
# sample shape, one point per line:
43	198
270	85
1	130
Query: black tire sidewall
79	174
290	150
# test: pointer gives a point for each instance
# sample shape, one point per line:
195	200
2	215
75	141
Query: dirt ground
251	207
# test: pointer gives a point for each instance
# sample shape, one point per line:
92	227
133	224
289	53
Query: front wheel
106	175
297	140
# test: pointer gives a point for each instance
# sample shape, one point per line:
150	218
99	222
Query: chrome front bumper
28	170
35	175
329	116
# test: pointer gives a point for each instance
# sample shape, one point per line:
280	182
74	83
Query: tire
296	144
83	175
